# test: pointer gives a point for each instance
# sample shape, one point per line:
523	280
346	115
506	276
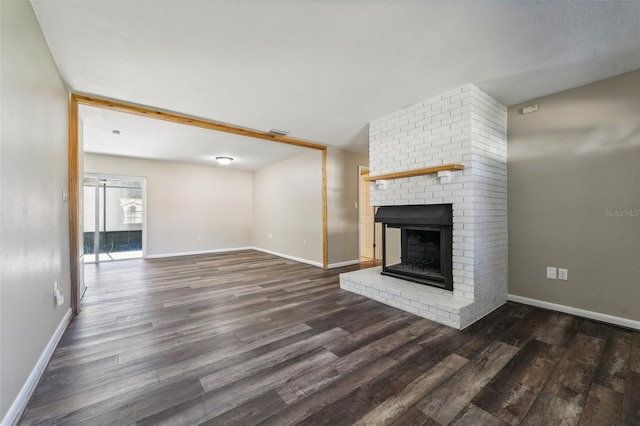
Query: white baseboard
286	256
191	253
624	322
20	403
341	264
224	250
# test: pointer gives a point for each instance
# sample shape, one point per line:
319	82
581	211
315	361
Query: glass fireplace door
416	253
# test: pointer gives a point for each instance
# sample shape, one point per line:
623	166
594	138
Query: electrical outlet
304	243
57	294
199	237
270	235
552	273
563	274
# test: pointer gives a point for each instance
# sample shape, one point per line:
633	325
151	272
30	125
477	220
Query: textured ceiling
324	69
143	137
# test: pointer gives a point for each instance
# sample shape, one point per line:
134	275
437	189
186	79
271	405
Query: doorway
113	218
368	230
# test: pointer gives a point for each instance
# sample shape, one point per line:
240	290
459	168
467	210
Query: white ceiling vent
277	132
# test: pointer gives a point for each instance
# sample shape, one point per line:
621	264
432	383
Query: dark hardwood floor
248	338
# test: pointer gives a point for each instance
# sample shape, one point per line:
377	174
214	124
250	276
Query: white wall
184	201
287	203
34	230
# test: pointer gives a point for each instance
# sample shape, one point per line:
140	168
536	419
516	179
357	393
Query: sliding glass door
113	218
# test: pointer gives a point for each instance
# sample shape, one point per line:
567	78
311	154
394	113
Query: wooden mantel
417	172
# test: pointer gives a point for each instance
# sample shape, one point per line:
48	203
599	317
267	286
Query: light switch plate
552	273
563	274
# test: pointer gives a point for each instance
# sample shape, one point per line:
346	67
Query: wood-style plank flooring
247	338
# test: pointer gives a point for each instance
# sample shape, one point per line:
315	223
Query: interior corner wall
186	201
34	226
342	196
287	208
574	197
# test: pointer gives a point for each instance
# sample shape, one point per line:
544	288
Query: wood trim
325	232
364	172
190	121
74	200
417	172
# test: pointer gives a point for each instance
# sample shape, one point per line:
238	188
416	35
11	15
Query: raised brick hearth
463	126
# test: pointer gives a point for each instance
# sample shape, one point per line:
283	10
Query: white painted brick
441	116
451	93
443	104
452	106
466	126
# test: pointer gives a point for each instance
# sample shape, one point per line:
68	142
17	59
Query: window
132	208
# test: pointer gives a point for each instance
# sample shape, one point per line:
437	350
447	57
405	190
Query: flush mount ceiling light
224	160
277	132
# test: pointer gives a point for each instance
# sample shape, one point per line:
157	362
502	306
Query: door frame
364	170
75	168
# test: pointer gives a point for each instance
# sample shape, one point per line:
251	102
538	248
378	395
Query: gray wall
342	194
571	166
184	201
34	231
287	203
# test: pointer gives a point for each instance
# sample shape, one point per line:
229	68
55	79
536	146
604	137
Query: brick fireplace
463	126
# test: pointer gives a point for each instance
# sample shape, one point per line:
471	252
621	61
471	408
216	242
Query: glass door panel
113	218
121	232
89	208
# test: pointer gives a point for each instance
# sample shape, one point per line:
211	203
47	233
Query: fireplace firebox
417	243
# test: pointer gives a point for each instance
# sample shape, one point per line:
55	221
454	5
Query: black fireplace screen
417	243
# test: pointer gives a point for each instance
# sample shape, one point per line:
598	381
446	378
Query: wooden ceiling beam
191	121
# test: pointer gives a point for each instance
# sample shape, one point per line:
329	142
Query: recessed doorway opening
369	231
